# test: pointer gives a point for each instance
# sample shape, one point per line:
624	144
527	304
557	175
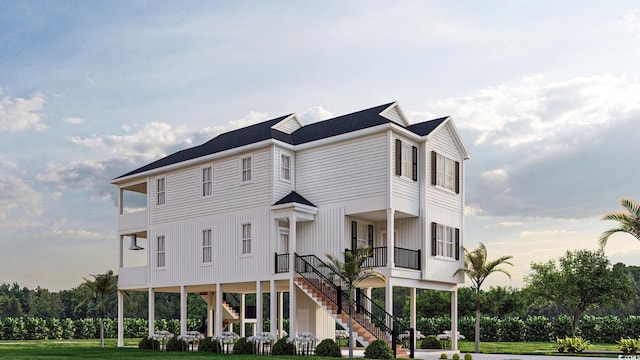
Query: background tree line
498	301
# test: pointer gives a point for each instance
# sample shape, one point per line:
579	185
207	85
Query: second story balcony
134	215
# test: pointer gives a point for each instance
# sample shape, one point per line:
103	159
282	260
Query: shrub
282	347
242	347
629	346
611	329
430	342
146	343
209	345
511	329
631	326
328	348
468	356
378	349
488	328
456	356
467	326
537	328
561	326
443	356
572	344
177	345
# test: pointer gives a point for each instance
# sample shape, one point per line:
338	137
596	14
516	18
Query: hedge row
43	329
608	329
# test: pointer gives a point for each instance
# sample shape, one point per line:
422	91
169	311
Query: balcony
133	276
133	221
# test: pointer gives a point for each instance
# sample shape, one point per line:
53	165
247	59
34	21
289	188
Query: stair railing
374	318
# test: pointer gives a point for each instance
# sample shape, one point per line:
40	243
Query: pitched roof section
341	125
229	140
294	197
269	130
425	128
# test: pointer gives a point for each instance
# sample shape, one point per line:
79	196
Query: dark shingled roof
426	127
259	132
294	197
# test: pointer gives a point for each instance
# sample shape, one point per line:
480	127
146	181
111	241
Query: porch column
152	311
412	312
258	307
454	319
218	317
281	314
273	308
120	253
390	237
293	306
388	298
183	310
120	318
242	315
210	300
367	304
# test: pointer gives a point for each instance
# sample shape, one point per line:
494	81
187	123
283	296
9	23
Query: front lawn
524	348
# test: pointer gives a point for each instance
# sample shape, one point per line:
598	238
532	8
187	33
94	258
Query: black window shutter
434	228
354	235
414	164
434	159
457	177
457	244
370	239
398	157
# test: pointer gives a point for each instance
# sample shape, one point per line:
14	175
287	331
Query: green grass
90	349
524	348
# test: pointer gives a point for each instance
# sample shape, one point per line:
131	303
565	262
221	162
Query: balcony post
390	239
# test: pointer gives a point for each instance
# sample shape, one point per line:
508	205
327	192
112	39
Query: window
207	182
361	235
160	191
246	169
445	241
285	167
445	172
246	239
160	252
206	246
406	160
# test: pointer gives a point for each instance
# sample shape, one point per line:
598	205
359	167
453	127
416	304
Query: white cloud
315	114
631	21
17	114
552	232
509	224
73	120
56	195
20	204
7	164
81	234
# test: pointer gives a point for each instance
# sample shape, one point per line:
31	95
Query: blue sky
546	95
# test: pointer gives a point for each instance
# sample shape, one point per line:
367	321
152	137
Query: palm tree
102	285
352	273
478	268
629	220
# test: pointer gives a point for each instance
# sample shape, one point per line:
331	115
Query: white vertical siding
348	170
324	235
313	318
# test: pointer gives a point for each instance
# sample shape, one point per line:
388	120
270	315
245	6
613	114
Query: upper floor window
207	181
406	160
445	172
246	169
445	241
246	239
206	246
160	191
160	254
285	167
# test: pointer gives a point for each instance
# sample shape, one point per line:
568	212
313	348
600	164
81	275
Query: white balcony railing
133	276
133	221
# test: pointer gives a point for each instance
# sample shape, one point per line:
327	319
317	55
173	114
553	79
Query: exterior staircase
367	325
